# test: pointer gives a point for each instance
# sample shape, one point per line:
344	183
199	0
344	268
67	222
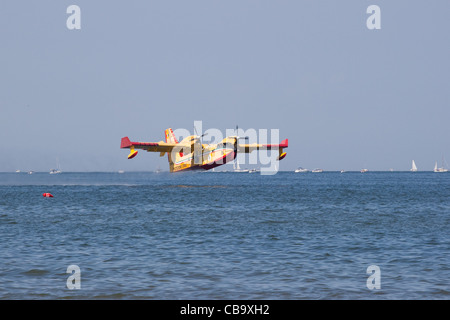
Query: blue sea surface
219	235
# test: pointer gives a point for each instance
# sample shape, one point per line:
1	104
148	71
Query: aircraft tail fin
170	136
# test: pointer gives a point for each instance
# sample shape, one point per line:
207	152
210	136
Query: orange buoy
47	195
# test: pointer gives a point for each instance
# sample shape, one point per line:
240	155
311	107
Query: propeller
237	137
200	137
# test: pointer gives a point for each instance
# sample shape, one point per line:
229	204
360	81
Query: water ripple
225	236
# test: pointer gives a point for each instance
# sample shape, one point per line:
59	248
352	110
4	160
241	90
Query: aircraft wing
247	148
160	146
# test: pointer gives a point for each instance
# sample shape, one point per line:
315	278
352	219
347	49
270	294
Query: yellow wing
161	146
247	148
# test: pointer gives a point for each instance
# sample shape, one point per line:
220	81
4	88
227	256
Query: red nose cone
47	195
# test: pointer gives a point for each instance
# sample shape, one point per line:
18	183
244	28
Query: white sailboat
236	167
413	167
57	170
441	169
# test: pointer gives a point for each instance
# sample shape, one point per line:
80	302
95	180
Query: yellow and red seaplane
192	154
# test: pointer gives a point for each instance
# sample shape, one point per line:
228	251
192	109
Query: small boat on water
364	170
317	170
441	169
300	169
56	171
237	168
413	167
253	170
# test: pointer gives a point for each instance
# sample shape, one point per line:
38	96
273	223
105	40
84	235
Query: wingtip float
206	157
132	154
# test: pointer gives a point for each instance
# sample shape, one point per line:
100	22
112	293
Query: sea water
219	235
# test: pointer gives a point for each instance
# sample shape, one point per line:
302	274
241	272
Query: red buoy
47	195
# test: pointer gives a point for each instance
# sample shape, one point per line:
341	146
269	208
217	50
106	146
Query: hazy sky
346	96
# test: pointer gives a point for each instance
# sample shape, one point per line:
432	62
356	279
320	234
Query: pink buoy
47	195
